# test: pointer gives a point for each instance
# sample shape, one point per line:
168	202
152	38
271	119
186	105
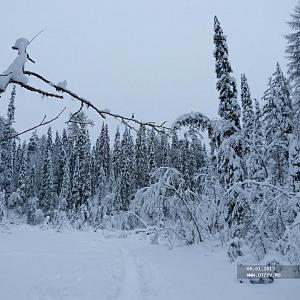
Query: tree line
241	184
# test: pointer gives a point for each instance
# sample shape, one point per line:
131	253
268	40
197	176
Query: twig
35	37
5	74
76	113
42	123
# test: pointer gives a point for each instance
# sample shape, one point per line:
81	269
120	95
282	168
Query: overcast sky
153	58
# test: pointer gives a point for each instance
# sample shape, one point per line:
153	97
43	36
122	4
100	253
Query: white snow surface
21	45
48	265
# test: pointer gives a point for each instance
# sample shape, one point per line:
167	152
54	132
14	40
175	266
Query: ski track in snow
46	265
131	285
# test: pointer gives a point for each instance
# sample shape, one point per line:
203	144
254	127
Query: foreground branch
160	128
33	89
42	123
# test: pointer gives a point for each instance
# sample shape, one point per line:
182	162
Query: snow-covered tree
229	108
174	151
293	55
141	159
7	148
247	111
127	169
102	152
294	163
151	151
66	183
116	155
48	194
58	163
278	124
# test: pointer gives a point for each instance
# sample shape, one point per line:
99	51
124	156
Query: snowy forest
235	179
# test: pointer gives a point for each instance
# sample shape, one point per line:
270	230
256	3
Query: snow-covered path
46	265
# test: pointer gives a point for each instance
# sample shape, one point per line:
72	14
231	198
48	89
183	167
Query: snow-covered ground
44	265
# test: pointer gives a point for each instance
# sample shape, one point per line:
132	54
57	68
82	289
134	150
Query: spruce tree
75	198
7	148
127	169
278	124
256	161
66	183
102	153
22	180
229	108
81	176
48	196
31	186
151	151
247	111
293	55
174	151
116	155
58	163
163	151
258	126
294	163
47	189
141	159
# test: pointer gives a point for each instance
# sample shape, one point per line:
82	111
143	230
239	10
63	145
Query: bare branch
42	123
74	114
6	74
35	36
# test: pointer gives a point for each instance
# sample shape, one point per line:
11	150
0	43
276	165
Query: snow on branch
192	119
264	184
16	74
33	89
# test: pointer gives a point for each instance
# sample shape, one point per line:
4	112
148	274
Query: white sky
153	58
